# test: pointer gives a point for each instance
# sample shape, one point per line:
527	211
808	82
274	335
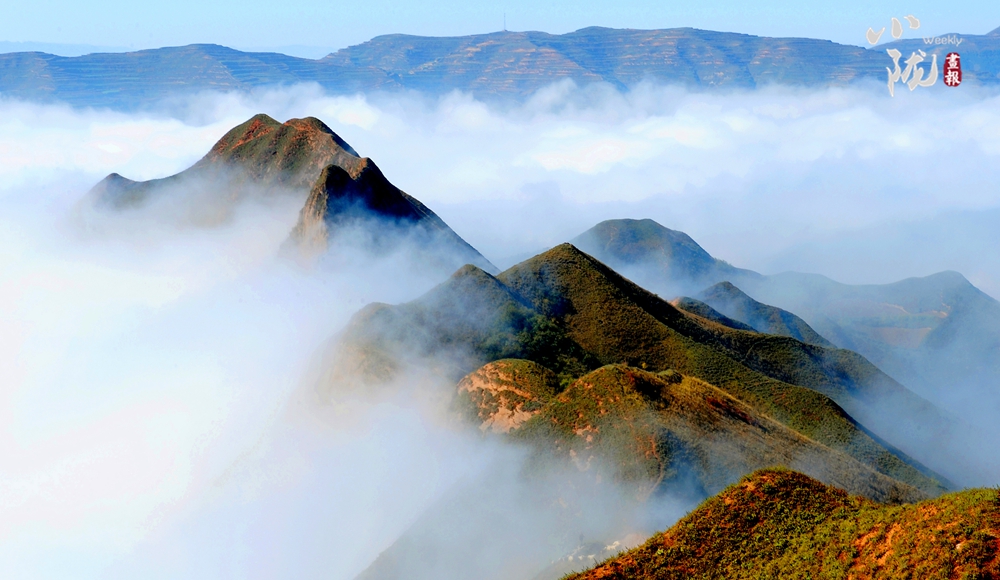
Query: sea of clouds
776	179
148	372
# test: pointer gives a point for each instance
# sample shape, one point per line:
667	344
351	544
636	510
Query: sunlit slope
618	321
927	332
655	432
500	396
781	524
571	314
618	430
301	159
260	154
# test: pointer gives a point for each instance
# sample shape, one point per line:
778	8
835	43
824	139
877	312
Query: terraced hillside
499	64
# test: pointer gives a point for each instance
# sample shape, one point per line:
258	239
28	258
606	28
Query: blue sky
334	24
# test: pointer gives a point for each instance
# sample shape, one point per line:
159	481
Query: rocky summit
300	159
259	155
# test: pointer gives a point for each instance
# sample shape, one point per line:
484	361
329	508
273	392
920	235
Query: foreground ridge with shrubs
778	523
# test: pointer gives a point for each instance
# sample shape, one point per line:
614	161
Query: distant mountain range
497	65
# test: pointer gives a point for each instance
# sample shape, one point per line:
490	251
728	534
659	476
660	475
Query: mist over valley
429	333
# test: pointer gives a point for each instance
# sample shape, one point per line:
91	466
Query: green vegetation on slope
570	313
734	303
649	430
259	153
782	524
930	332
463	323
705	311
618	321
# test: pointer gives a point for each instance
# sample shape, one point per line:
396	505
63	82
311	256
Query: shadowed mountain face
781	524
341	199
568	312
497	64
734	303
929	332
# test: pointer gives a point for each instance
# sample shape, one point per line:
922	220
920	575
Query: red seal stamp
953	69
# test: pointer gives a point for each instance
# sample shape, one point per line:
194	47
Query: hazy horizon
114	24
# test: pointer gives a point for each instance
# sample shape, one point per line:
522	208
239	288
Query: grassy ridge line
665	430
569	313
734	303
618	321
782	524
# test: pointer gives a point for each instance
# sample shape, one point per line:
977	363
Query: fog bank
150	372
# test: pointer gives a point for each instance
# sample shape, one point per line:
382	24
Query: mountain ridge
491	65
306	161
734	303
571	314
260	152
887	323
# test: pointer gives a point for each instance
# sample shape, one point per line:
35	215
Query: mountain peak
751	524
564	251
657	257
298	149
274	158
729	287
734	303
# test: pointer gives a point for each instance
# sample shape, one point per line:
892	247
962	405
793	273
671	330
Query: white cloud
143	367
